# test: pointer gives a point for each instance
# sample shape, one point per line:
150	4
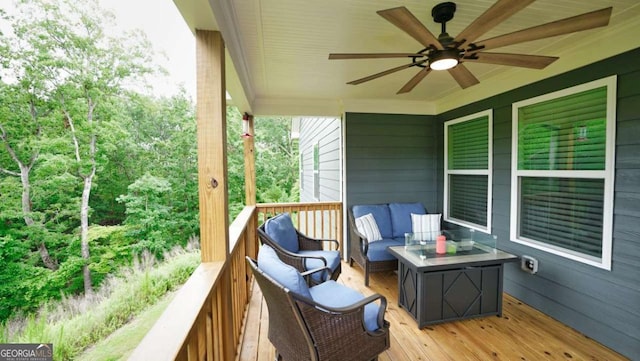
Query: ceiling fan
448	53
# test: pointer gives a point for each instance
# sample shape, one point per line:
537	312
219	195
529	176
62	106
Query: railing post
249	163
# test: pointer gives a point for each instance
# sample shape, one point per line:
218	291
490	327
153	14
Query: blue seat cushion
333	294
280	228
284	274
401	217
332	258
381	214
378	250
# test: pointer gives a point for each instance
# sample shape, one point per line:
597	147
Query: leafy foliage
86	159
78	322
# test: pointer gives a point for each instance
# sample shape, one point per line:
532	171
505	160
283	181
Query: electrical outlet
529	264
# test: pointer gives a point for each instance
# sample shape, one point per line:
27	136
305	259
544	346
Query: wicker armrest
307	243
364	242
307	274
363	302
350	317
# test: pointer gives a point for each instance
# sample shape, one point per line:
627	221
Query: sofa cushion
401	217
380	212
280	228
426	227
332	258
333	294
284	274
368	227
378	250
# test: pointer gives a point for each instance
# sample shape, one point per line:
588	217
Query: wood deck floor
522	333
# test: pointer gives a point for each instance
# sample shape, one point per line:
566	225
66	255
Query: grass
76	323
120	344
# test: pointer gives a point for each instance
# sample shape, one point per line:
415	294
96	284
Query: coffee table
436	288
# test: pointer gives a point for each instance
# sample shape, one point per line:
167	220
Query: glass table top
461	245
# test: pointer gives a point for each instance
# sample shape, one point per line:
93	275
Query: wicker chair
303	329
306	253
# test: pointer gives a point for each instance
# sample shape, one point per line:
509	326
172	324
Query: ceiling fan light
443	59
443	64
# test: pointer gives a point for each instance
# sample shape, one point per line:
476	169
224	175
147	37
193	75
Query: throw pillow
368	227
425	227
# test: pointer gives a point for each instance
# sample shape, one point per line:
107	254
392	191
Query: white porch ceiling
279	51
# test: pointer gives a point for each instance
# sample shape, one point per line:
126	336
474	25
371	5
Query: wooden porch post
250	189
249	165
212	151
211	111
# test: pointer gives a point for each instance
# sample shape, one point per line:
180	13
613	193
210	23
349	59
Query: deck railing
321	220
204	320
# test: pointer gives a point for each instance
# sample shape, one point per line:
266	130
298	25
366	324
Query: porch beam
212	151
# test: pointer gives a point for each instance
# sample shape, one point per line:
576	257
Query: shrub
78	322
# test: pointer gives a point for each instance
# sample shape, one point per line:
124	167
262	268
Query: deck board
522	333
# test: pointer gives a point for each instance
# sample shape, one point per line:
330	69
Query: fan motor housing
443	12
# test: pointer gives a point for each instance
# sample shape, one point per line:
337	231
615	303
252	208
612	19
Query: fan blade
407	22
386	72
373	55
414	81
586	21
463	76
521	60
499	12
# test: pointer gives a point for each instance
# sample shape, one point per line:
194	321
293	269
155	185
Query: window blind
468	152
468	198
567	133
565	212
468	144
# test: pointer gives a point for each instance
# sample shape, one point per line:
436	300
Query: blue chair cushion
378	250
332	258
284	274
280	228
333	294
401	217
381	214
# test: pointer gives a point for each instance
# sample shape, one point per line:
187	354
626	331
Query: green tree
89	69
276	160
164	131
148	212
24	111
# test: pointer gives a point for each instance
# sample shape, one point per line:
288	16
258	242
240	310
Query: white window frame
488	172
316	172
607	174
301	169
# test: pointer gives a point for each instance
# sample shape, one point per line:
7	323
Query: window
563	170
316	171
468	162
